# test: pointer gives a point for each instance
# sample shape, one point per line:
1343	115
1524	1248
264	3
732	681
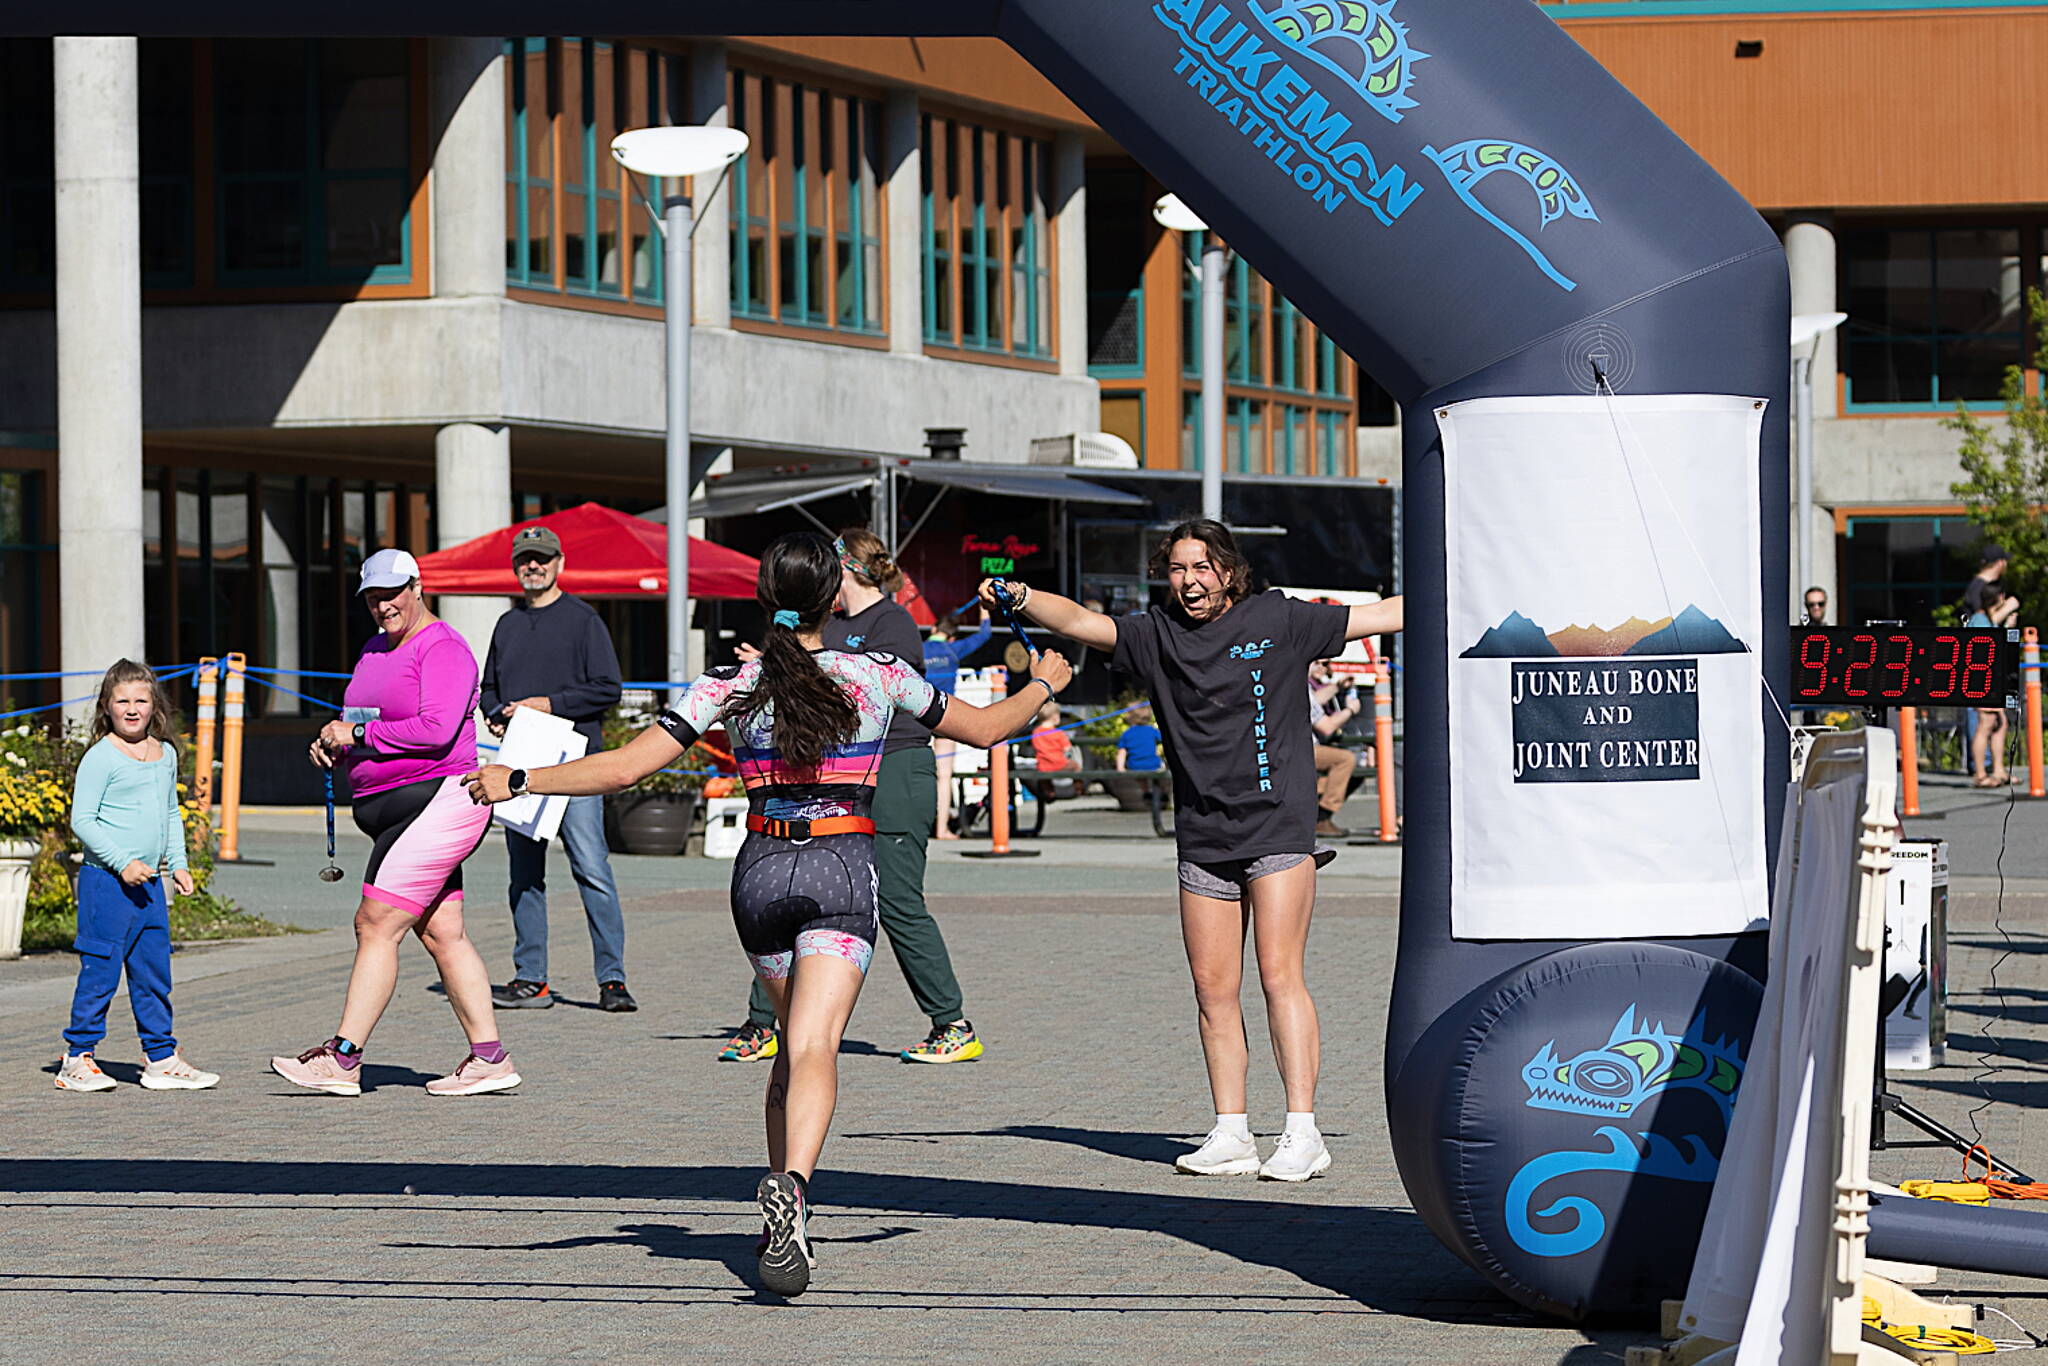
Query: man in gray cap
552	653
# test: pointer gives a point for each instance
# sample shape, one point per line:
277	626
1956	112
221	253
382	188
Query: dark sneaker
614	996
520	994
754	1042
786	1261
955	1042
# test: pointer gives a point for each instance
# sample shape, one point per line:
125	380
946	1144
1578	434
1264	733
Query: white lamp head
1175	216
1811	327
674	152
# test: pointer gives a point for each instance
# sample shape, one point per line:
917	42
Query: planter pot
650	822
15	858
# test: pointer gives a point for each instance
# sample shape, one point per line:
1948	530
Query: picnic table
1156	782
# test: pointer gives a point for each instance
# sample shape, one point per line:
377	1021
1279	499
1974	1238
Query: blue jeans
121	926
582	835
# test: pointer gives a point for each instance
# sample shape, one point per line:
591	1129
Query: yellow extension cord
1961	1341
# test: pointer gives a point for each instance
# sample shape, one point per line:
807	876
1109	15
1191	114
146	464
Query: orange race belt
803	830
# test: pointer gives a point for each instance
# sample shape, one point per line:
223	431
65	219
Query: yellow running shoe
754	1043
955	1042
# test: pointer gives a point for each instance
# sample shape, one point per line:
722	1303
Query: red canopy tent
608	554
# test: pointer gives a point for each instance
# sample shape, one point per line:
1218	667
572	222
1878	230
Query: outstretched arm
1061	616
986	726
1374	618
610	770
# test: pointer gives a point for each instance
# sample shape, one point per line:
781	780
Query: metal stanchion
2031	651
1909	761
1383	752
999	805
202	758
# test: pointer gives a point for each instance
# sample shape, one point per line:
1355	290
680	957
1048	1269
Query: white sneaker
1222	1153
79	1072
175	1074
1296	1157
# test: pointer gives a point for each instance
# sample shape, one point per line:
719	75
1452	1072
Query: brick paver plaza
1018	1209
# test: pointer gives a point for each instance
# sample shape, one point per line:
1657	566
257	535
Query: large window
28	218
573	220
806	212
1901	568
1935	314
1120	236
987	243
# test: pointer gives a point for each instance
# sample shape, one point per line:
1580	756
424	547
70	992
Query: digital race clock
1904	666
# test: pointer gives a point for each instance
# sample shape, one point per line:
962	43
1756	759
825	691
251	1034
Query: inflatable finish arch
1473	208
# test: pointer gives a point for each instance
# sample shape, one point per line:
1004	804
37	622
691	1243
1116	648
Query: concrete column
711	252
903	188
1070	237
466	105
472	495
1810	256
99	354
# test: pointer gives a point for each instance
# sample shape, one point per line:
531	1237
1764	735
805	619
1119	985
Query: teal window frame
313	181
1134	369
976	253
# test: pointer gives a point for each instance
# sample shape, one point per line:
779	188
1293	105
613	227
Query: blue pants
582	836
121	926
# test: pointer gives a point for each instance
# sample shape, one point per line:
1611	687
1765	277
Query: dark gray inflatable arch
1472	207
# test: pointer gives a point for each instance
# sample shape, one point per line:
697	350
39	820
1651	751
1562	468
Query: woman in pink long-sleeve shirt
407	735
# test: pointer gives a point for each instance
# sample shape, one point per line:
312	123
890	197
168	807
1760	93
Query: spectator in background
1816	607
1987	742
1991	569
944	648
1137	749
1053	748
553	654
1328	715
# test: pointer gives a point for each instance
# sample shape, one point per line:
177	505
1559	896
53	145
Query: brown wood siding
982	73
1847	111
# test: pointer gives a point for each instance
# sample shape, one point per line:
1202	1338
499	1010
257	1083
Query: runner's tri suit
804	881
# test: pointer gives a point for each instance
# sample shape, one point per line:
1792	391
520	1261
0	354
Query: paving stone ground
1018	1209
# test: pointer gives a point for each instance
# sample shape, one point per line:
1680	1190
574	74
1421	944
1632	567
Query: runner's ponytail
811	712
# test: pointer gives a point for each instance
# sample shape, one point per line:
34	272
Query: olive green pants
906	807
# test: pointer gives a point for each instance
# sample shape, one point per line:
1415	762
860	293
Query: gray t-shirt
887	628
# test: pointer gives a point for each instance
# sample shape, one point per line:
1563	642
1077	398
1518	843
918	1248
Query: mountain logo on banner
1691	632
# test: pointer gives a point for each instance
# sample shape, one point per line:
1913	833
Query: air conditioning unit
1094	450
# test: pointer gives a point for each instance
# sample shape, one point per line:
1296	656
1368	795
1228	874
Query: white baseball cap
388	569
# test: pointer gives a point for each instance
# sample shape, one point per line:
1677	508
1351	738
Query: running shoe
1223	1153
78	1072
1296	1157
320	1069
955	1042
754	1043
475	1077
175	1074
520	994
787	1261
613	996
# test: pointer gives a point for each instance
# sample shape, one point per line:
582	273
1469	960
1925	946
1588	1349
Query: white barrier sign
537	739
1605	627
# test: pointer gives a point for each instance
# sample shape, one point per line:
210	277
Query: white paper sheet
536	739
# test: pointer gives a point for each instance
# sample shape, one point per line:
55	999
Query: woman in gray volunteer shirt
1224	667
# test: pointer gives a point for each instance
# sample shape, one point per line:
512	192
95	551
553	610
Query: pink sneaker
475	1077
317	1069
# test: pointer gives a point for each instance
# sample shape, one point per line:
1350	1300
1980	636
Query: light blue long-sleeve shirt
123	809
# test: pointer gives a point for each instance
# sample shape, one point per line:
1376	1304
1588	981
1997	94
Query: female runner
808	725
408	735
1224	668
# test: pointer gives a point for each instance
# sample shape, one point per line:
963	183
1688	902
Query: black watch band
517	782
361	733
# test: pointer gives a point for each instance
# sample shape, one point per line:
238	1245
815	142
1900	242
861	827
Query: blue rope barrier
170	676
292	692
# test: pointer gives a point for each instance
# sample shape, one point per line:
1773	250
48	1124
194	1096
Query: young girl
124	809
1054	750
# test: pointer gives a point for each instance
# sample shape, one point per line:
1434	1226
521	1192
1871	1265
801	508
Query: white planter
15	857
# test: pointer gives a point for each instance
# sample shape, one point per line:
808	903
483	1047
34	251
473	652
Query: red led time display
1902	666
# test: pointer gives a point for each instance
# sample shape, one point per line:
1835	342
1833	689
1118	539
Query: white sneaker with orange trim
79	1072
175	1074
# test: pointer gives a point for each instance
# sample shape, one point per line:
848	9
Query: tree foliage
2005	474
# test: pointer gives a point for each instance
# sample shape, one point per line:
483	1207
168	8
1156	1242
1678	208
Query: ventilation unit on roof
1095	450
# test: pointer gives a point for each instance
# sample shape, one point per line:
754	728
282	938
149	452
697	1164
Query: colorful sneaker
1223	1153
1296	1157
955	1042
475	1077
520	994
613	996
78	1072
786	1262
320	1069
175	1074
754	1043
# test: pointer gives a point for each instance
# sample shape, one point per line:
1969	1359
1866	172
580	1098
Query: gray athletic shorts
1227	880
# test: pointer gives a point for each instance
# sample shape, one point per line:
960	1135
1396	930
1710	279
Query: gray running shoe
786	1262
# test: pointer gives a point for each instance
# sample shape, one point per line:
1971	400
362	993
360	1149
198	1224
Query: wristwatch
518	782
360	732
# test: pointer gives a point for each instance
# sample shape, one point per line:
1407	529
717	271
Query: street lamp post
1213	273
1807	330
677	154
